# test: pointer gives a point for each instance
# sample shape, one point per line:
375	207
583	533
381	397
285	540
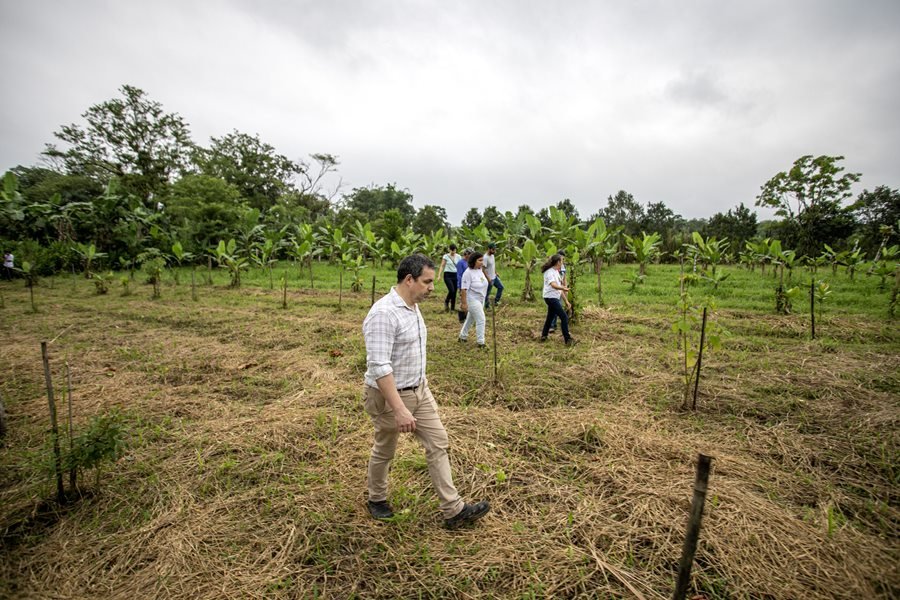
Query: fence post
693	528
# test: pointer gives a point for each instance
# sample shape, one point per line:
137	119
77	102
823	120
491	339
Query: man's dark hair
453	247
413	265
473	258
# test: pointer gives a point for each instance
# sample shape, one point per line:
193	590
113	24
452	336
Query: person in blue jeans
553	294
562	280
490	271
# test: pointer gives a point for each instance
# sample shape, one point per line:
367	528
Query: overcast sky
471	103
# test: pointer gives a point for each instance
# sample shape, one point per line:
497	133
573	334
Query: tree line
129	184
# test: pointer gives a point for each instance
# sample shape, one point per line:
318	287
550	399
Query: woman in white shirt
553	289
472	293
448	268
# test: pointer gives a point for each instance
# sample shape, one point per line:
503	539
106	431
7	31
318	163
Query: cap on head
492	246
562	253
467	251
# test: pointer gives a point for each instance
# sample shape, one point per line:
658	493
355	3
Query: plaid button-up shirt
395	337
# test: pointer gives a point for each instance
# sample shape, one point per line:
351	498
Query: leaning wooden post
54	428
812	307
73	471
494	336
699	358
693	528
193	284
373	290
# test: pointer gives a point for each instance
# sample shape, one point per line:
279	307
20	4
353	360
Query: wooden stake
699	358
54	428
494	335
812	307
693	528
373	290
73	470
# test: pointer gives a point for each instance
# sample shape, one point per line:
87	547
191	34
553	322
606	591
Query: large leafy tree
878	214
130	138
622	210
430	218
260	174
472	218
376	200
738	225
808	197
203	210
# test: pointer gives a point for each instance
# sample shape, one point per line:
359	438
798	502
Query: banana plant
305	247
227	256
265	256
366	241
408	244
759	250
831	257
89	254
180	256
644	249
884	267
710	251
601	245
527	255
854	259
433	245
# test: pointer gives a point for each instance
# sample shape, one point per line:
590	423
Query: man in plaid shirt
397	395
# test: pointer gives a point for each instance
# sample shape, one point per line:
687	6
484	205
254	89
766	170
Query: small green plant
103	441
634	279
228	258
89	254
101	282
125	282
180	256
153	264
28	272
690	314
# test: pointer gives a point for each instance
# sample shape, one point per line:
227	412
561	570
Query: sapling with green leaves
634	279
305	247
644	249
885	265
89	254
264	256
28	272
101	282
179	254
691	340
228	258
527	255
853	259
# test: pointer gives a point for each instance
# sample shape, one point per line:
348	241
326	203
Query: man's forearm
388	388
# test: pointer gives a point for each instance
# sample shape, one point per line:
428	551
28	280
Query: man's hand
406	423
464	307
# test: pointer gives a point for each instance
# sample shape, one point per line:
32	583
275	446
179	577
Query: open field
244	476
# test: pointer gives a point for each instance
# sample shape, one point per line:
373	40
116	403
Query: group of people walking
474	274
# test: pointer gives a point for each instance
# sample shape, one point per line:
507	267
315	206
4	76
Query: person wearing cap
562	280
461	267
398	399
490	271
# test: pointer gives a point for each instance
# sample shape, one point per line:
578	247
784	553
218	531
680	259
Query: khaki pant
431	433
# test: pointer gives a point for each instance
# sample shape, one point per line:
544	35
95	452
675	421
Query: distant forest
128	184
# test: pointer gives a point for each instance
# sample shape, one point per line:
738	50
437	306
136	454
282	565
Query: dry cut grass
245	474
